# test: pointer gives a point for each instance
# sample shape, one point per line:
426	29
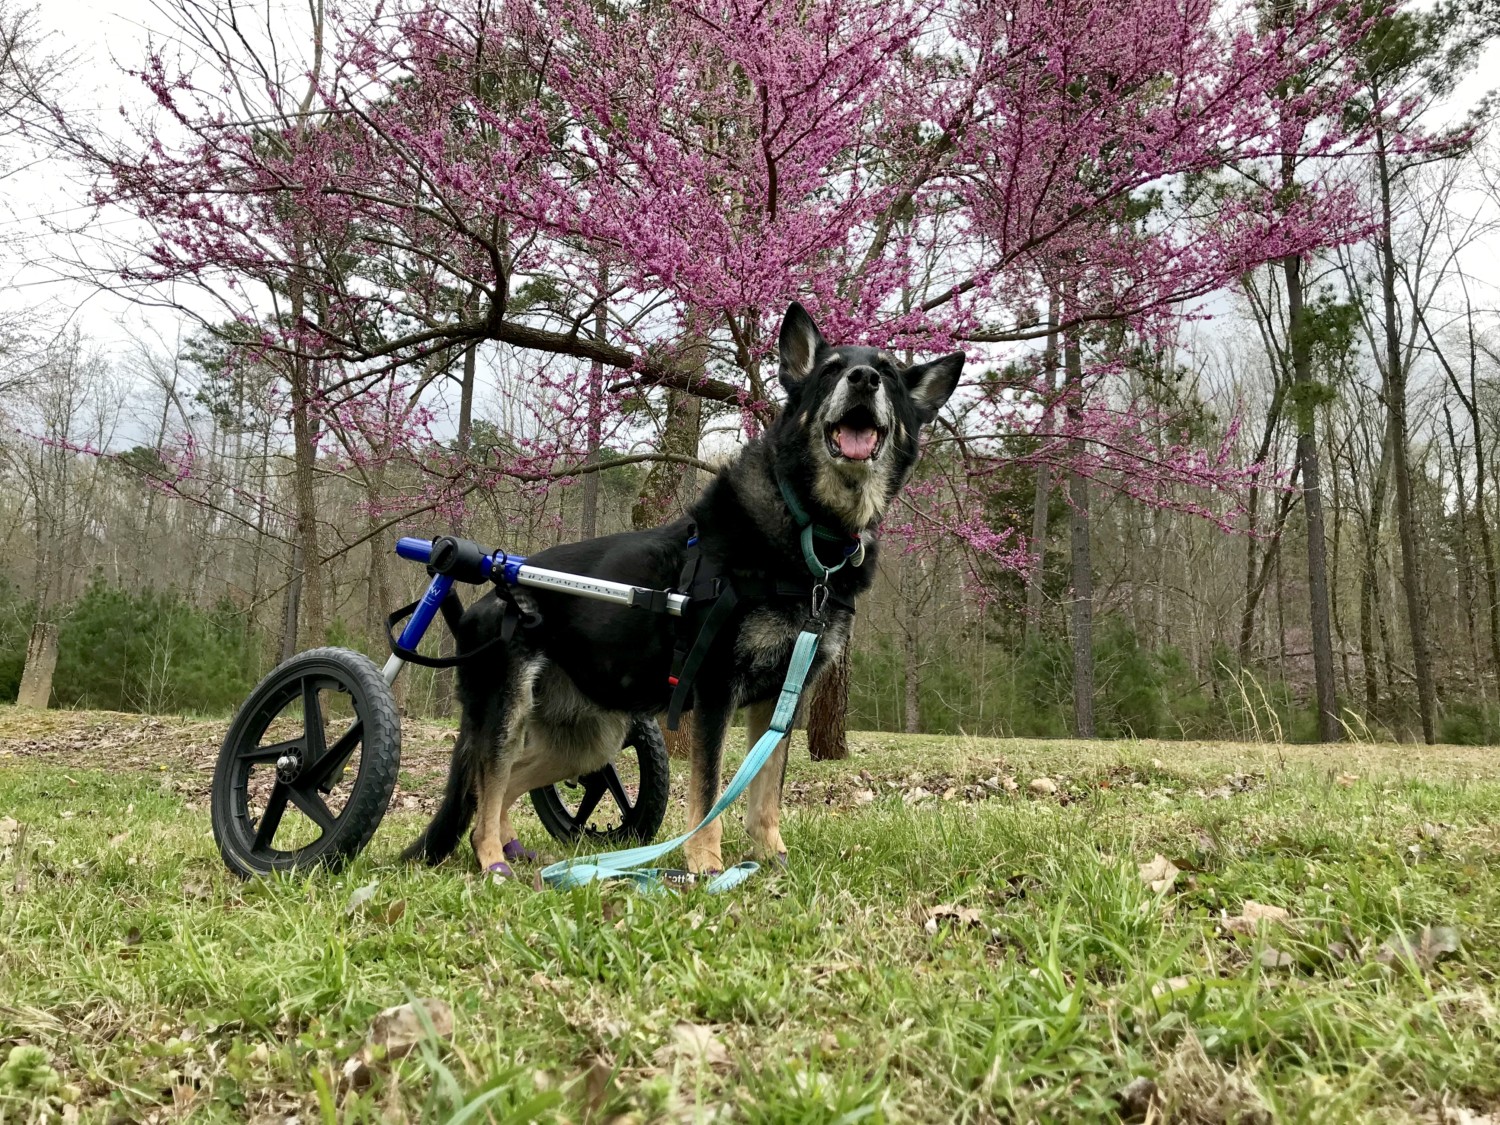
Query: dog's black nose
864	378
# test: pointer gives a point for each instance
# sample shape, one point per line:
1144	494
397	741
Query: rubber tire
370	795
651	801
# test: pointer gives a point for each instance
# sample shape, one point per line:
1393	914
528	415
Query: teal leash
630	863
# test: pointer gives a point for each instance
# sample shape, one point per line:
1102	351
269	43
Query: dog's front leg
704	851
763	799
492	829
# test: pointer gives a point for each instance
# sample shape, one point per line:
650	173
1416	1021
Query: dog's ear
930	384
800	344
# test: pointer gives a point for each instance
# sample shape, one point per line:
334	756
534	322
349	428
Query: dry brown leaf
394	912
1044	786
1159	874
1251	915
864	796
947	912
1426	946
401	1028
693	1041
1347	779
356	1072
1275	959
1171	985
593	1081
1138	1099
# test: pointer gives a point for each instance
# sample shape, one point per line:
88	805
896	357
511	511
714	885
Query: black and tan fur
555	702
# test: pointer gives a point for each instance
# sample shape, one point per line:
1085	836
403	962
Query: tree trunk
911	628
826	739
1040	500
304	458
1081	605
291	605
1411	564
1369	583
1043	494
1330	727
1467	593
41	662
589	519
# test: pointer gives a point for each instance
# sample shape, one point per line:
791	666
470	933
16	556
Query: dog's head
853	418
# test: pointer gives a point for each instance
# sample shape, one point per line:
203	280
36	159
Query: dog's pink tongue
857	445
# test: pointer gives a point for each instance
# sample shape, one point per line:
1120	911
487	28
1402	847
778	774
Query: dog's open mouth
856	436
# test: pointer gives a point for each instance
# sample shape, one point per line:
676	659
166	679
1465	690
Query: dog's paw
779	861
703	865
517	852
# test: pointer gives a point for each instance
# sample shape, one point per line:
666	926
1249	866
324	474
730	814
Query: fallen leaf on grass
356	1072
394	912
592	1083
1426	946
864	796
1044	786
1137	1099
917	795
1347	779
693	1041
1159	874
401	1028
1275	959
116	840
962	915
1171	986
1251	915
9	827
361	896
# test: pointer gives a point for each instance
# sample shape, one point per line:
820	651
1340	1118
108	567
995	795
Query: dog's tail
443	833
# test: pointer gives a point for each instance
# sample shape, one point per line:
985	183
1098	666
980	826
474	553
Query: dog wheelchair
321	735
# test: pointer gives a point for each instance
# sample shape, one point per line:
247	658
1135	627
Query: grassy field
970	930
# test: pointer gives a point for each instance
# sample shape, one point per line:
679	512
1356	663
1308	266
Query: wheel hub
288	767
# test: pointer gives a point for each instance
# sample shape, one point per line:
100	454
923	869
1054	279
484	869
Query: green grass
157	985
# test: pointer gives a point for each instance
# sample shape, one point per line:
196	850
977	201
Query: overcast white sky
108	34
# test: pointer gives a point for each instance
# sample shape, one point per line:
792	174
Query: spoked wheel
308	765
624	803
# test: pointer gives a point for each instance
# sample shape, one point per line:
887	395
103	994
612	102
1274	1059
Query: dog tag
858	558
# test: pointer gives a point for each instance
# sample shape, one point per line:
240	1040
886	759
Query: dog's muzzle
860	419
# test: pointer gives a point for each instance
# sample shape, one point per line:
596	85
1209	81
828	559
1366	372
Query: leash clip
819	600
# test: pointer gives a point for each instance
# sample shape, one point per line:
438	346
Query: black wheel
622	804
308	765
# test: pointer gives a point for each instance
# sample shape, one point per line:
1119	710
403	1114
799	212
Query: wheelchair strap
452	610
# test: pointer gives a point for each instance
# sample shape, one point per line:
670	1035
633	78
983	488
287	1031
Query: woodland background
514	270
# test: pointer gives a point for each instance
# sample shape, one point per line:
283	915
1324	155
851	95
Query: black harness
713	596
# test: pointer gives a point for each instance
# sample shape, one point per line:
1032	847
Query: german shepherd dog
556	701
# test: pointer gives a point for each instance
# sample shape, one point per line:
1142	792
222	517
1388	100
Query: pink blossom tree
920	173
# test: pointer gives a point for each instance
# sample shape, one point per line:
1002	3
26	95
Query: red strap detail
672	680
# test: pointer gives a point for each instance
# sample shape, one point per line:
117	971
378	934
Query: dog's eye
833	367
